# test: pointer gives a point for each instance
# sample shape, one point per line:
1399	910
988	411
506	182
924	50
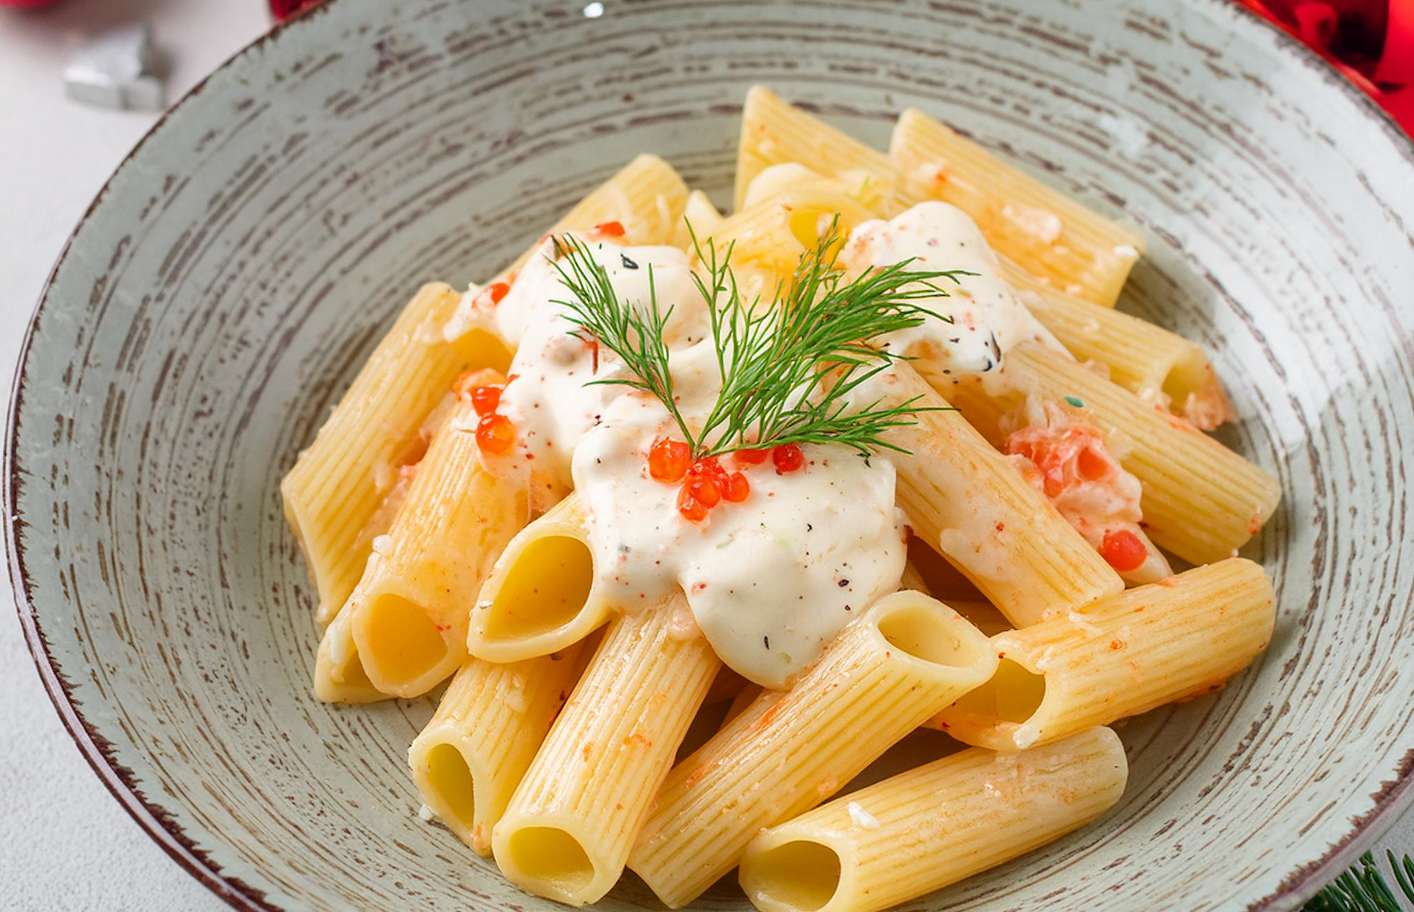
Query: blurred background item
284	9
117	71
1371	42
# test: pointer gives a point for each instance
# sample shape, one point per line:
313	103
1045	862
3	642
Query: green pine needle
1364	889
788	367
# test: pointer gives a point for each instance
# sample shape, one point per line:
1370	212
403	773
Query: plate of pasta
749	461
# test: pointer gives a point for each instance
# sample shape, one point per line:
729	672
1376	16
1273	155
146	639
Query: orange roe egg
1123	550
705	490
688	506
1091	465
609	229
708	467
787	458
493	293
752	457
668	460
495	434
736	488
485	399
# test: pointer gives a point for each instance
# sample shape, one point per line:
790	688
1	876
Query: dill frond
789	366
1364	889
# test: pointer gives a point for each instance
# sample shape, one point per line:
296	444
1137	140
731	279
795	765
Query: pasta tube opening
799	876
778	230
540	596
927	635
549	856
339	676
532	603
450	789
1192	389
409	640
474	751
1011	697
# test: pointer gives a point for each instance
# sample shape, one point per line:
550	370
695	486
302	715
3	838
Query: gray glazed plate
243	261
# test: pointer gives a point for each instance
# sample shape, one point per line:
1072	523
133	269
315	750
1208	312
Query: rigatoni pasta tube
338	670
410	610
773	132
903	660
470	757
963	497
779	230
700	216
1046	232
541	595
1201	500
571	822
646	197
339	481
932	826
1157	365
1118	657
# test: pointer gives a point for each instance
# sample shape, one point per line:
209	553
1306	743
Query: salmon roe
787	458
668	460
752	457
1091	465
736	488
495	434
705	490
493	293
708	467
485	399
690	508
1123	550
609	229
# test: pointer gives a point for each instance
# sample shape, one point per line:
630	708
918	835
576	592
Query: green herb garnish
1364	888
788	366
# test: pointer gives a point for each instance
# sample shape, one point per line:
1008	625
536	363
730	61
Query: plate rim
1393	798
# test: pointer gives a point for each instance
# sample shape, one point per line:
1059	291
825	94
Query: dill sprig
1364	888
789	366
636	337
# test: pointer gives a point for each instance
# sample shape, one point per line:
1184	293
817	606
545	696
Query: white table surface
64	843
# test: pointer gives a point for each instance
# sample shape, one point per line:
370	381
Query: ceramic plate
243	261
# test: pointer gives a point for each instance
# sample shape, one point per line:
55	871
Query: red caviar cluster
1075	455
494	432
1068	458
706	482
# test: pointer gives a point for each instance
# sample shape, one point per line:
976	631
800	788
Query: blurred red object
286	9
1371	42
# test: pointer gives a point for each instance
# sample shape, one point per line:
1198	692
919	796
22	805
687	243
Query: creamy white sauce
987	317
770	580
550	396
773	179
